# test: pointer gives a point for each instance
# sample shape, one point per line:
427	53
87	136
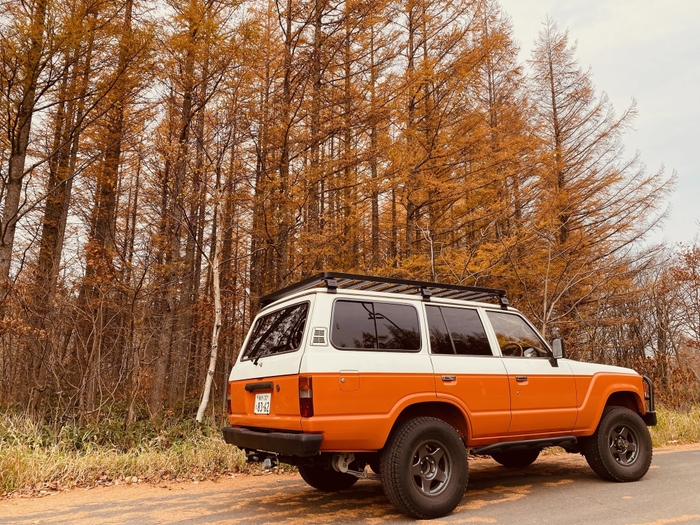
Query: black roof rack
348	281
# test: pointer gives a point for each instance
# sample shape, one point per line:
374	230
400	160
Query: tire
326	480
423	468
517	458
620	449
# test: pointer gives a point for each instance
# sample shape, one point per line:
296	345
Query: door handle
521	379
251	387
449	378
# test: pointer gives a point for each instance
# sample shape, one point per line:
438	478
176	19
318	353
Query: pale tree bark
215	263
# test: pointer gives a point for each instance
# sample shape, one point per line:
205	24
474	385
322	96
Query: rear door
543	396
370	361
264	383
466	369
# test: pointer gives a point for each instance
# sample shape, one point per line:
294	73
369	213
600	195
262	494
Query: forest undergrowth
36	460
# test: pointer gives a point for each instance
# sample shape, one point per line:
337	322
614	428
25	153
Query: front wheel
423	468
326	480
620	449
516	458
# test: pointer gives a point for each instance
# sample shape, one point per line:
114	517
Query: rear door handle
449	378
521	379
250	387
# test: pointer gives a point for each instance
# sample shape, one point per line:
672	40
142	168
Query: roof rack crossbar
427	289
449	294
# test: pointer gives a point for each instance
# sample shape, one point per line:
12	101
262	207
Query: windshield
278	332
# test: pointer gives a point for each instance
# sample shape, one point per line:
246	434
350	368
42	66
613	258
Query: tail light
306	397
229	404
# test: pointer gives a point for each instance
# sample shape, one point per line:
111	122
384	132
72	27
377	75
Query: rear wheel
423	468
516	458
620	449
325	479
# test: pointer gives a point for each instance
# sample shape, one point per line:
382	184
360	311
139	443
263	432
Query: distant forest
164	164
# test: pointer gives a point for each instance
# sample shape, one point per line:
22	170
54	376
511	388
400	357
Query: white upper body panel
317	354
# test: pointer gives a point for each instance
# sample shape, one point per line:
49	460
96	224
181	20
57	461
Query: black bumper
284	443
650	416
650	419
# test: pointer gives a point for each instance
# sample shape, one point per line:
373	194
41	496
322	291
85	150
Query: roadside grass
36	459
675	427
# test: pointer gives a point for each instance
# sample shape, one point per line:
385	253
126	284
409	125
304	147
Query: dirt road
555	490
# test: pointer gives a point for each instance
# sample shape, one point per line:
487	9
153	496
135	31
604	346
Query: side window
277	332
353	325
456	331
515	337
397	326
440	342
374	325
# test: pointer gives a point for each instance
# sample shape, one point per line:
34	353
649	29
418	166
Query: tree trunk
374	161
59	187
19	141
216	290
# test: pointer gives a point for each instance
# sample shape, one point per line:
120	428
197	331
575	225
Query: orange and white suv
341	371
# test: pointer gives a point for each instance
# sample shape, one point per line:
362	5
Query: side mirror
558	348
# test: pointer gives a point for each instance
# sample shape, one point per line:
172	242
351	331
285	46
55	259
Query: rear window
365	325
277	332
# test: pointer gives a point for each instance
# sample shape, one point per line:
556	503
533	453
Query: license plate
262	403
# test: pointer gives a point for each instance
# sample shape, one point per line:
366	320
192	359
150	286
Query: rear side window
278	332
368	325
456	331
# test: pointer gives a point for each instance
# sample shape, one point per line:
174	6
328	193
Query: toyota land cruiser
341	371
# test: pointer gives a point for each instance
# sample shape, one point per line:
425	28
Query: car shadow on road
276	499
490	484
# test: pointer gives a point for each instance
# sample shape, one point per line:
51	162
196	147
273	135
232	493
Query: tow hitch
267	459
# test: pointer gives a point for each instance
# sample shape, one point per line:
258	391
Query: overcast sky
643	49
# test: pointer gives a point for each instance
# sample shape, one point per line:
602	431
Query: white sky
643	49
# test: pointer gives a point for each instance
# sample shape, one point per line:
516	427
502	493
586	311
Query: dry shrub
676	385
676	427
33	456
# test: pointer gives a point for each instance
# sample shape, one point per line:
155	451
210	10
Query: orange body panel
485	398
544	403
355	412
284	405
596	390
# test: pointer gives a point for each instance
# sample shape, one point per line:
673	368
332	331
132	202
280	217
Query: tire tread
391	457
594	450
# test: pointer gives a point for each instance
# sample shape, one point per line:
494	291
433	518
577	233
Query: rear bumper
284	443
